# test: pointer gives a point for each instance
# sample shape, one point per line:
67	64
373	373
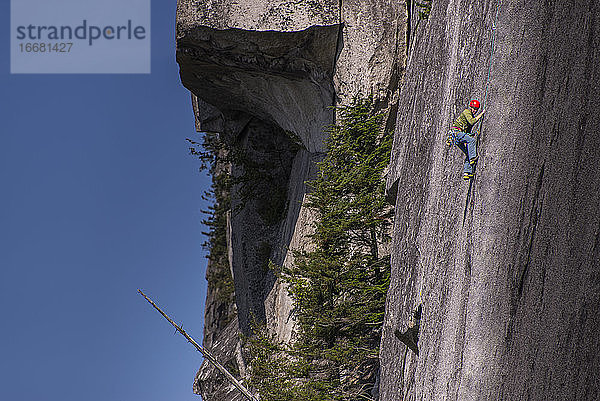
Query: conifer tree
339	288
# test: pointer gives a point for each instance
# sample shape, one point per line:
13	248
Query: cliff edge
264	76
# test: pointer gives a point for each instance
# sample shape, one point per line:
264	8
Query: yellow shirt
465	121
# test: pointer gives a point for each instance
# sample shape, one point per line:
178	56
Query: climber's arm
480	115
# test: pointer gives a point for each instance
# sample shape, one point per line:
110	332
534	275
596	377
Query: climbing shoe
467	176
473	160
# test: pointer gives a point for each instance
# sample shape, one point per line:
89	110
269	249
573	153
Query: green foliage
339	288
257	181
268	360
213	155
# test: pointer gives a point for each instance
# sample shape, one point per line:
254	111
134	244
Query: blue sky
99	197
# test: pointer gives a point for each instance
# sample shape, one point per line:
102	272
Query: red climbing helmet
474	104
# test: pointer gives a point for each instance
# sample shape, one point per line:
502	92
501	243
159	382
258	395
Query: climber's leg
468	170
471	147
462	145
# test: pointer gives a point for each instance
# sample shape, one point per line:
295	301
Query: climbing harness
452	138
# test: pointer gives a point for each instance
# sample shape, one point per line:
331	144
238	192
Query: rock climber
460	135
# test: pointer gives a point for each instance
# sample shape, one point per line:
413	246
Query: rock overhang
285	78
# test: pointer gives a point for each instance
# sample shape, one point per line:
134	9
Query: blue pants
468	145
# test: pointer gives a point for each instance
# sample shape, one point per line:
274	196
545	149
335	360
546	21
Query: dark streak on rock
536	206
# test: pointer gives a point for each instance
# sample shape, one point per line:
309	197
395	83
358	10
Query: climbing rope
487	84
477	133
489	71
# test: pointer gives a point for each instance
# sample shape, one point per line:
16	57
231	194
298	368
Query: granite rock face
228	351
264	75
507	267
